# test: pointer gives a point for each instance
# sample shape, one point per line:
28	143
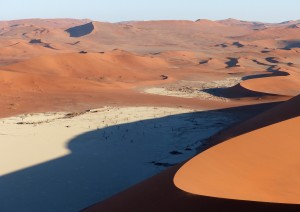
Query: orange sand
260	166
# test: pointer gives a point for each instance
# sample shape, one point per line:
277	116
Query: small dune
294	26
288	86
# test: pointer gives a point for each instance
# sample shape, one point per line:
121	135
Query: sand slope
260	166
257	166
288	85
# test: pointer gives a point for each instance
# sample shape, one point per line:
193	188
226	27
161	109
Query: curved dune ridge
262	165
160	192
288	85
281	75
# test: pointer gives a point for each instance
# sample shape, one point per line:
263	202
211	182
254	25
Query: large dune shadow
106	161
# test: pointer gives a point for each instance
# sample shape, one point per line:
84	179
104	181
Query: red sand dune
279	85
260	166
70	65
49	49
106	78
261	154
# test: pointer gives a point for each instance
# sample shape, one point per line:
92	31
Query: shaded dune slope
160	193
82	30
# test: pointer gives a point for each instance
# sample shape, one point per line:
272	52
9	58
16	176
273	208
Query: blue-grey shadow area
233	62
238	44
237	91
291	44
160	194
273	72
105	161
82	30
40	42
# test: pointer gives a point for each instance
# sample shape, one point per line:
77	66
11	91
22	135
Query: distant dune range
62	57
76	65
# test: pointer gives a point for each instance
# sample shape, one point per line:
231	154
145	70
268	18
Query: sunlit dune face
262	165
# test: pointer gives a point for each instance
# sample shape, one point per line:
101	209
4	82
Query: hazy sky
124	10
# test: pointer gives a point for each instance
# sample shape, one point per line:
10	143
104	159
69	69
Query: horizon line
138	20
